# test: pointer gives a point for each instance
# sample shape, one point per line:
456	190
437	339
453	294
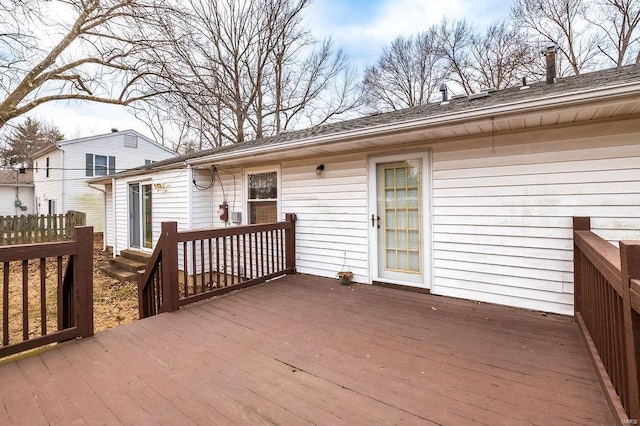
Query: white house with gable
469	197
61	171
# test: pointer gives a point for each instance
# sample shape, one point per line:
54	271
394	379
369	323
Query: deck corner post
169	241
291	242
83	280
580	223
630	269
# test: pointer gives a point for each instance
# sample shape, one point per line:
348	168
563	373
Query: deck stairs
125	267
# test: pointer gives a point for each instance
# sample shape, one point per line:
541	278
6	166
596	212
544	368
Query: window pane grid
402	218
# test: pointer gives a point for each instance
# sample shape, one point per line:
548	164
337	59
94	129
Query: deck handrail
190	266
607	310
74	291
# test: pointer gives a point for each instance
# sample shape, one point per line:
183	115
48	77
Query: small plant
345	277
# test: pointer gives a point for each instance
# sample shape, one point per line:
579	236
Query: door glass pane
147	223
402	213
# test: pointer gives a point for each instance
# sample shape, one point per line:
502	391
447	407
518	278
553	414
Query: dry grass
114	303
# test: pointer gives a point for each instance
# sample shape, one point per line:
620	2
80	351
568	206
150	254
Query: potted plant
345	277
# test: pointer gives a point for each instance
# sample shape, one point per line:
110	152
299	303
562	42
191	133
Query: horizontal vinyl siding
502	225
48	188
331	214
202	208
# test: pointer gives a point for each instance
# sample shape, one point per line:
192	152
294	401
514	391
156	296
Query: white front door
400	250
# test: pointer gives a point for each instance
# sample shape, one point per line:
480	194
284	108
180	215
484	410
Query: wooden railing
32	228
190	266
607	310
47	292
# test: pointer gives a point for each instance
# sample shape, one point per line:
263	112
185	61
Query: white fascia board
562	100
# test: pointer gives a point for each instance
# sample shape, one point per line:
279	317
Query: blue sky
361	27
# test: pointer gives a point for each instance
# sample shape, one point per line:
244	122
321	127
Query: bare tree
562	23
83	50
617	21
407	73
242	69
455	38
501	58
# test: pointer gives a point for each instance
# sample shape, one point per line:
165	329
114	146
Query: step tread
118	273
128	264
140	256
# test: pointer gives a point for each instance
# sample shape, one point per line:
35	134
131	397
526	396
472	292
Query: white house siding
203	208
332	214
77	193
502	225
48	188
169	203
8	200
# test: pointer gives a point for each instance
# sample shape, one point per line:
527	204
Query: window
262	197
100	165
47	166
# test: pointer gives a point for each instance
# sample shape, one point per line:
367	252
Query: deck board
305	350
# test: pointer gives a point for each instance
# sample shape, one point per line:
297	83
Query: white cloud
364	38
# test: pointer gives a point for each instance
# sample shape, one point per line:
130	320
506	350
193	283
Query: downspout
104	215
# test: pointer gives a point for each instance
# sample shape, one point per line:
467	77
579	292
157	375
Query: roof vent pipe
445	92
550	55
114	130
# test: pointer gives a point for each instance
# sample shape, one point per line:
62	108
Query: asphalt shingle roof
540	90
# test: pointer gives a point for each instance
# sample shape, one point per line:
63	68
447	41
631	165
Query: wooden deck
306	350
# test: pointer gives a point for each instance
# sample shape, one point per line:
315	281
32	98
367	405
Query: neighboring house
61	171
16	192
471	197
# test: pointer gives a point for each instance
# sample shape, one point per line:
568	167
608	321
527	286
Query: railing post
291	242
579	224
630	269
83	281
169	242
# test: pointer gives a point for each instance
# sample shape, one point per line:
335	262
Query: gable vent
131	141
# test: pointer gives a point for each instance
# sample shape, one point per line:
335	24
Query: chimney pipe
445	92
550	55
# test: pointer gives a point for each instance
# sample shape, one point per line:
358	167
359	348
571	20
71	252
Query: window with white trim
262	197
100	165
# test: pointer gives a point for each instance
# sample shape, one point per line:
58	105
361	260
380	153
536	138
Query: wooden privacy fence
186	267
607	310
27	229
47	292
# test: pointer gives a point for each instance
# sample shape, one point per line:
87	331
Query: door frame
141	218
427	231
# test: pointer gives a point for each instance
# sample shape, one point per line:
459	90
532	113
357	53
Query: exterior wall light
319	169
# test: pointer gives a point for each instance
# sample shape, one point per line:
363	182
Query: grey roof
540	90
13	177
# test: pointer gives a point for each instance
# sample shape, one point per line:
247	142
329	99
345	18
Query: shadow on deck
305	350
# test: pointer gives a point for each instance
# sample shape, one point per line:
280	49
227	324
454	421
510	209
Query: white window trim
245	190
